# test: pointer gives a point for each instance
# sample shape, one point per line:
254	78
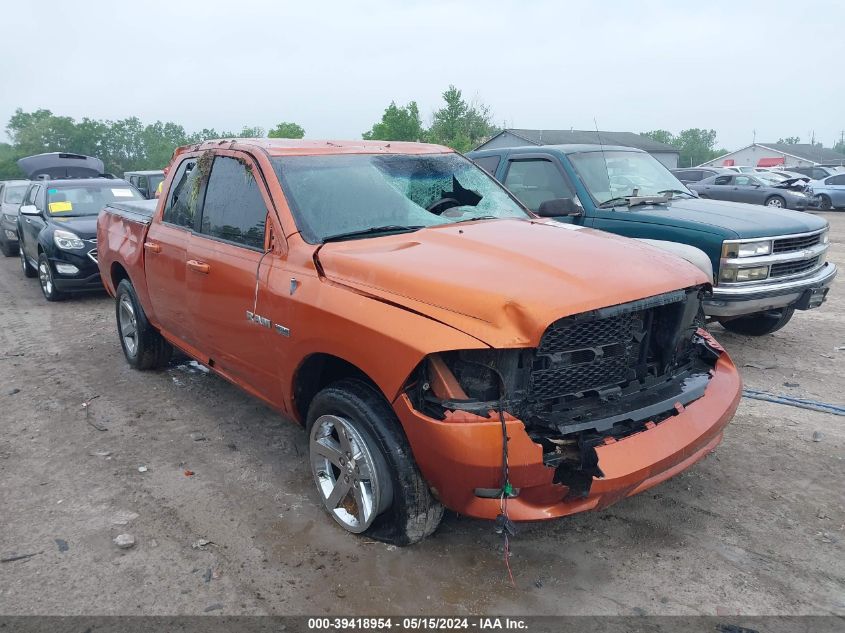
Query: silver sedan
749	188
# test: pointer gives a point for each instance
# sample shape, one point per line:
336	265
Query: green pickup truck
767	262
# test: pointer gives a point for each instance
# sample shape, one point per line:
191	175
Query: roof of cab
294	147
570	148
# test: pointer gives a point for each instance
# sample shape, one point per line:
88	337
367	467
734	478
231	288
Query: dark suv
57	231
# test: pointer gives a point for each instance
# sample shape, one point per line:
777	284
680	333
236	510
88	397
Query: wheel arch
317	371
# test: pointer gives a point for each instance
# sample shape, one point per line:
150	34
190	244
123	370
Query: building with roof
776	154
513	137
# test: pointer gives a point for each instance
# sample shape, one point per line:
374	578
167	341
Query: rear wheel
142	344
824	203
48	284
363	467
759	324
28	270
776	201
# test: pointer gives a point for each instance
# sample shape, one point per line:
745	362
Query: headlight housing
825	238
755	273
67	241
732	250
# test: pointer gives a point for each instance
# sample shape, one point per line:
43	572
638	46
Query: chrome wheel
128	325
46	278
775	202
352	479
824	203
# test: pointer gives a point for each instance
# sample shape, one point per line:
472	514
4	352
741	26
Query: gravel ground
756	528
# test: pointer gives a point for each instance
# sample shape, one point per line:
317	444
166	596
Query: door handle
152	247
200	267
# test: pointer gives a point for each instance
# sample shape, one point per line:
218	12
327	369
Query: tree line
129	144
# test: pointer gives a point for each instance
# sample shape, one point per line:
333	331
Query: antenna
603	157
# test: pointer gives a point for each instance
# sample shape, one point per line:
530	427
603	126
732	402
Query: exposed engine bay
607	373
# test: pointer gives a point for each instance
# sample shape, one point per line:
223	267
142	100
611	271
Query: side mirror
557	207
28	209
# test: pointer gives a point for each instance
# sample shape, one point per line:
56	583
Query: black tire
776	202
825	203
26	267
150	349
8	250
47	280
413	513
759	324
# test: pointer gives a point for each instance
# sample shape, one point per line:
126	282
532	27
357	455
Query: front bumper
86	279
8	232
458	458
739	301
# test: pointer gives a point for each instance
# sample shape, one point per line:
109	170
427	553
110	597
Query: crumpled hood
85	227
735	219
505	281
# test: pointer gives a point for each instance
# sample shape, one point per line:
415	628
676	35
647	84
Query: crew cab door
536	178
229	265
166	253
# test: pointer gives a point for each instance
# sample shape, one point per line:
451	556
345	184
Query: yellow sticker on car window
59	207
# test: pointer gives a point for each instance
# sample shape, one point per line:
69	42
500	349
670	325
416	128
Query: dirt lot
756	528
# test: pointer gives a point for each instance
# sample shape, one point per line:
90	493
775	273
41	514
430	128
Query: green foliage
661	136
460	125
790	140
695	145
839	146
398	124
287	130
122	145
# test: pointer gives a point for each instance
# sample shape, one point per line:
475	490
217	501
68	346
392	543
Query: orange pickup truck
441	345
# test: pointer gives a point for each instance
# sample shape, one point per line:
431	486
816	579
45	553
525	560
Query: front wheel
824	203
759	324
143	346
48	283
363	467
777	202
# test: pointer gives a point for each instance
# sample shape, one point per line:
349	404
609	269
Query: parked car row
805	187
444	339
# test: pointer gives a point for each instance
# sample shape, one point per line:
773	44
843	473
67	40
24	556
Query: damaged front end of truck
594	378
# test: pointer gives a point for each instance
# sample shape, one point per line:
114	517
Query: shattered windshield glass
350	194
617	174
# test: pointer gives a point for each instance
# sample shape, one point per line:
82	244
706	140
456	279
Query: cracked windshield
354	196
612	175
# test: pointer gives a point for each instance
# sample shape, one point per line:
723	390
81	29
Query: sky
772	67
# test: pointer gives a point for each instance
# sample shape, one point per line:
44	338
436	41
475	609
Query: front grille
574	357
591	358
784	269
790	244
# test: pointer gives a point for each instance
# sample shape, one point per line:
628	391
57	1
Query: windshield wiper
634	200
478	217
686	193
373	230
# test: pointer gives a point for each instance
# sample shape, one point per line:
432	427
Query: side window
743	180
184	196
489	164
142	182
723	180
535	181
234	209
32	196
836	180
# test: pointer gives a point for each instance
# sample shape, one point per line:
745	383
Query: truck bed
136	211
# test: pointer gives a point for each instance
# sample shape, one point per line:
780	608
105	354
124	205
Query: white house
775	154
